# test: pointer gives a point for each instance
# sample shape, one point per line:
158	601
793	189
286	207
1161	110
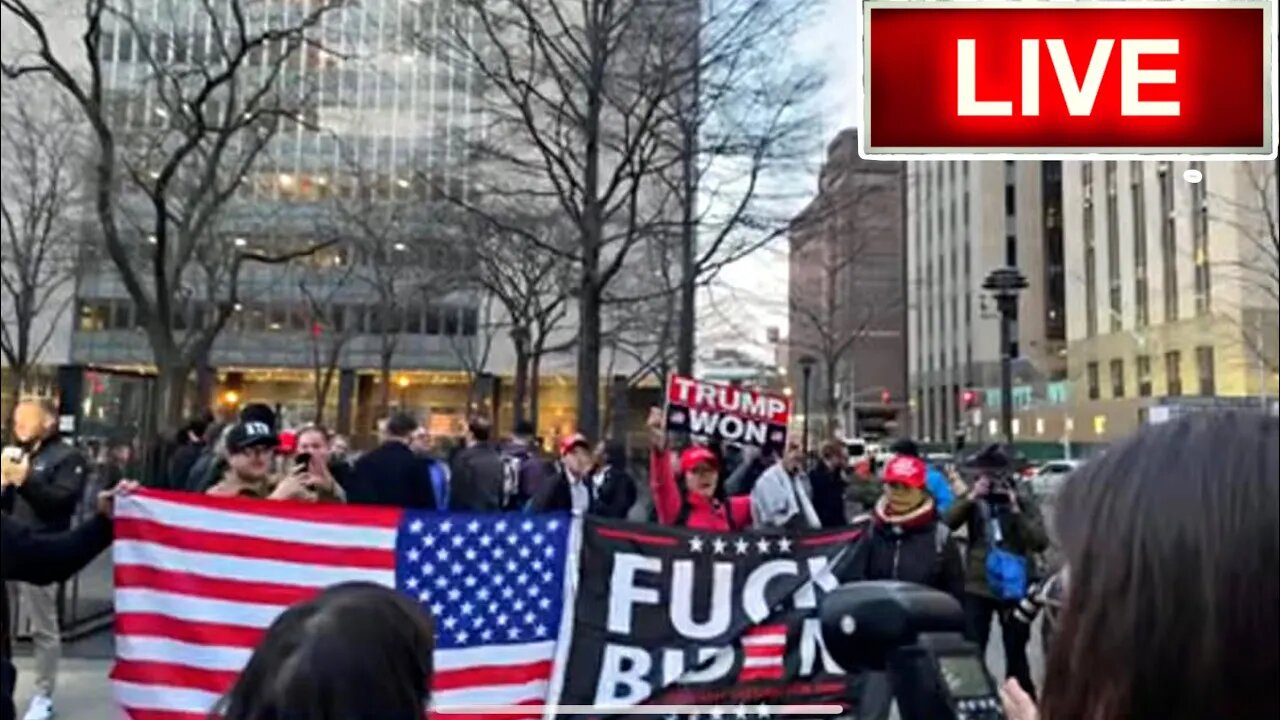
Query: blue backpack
439	474
1006	571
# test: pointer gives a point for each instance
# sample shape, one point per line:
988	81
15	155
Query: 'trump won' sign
732	414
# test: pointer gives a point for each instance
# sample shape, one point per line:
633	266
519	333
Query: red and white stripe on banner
763	649
199	580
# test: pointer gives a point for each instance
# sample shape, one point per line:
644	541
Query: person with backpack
524	472
694	498
437	472
1005	531
908	542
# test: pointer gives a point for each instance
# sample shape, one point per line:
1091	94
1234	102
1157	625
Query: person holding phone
316	468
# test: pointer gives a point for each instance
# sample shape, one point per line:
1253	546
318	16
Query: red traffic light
885	397
969	399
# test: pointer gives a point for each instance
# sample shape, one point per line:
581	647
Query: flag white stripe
195	608
230	567
141	648
763	640
755	662
190	517
494	655
490	695
136	696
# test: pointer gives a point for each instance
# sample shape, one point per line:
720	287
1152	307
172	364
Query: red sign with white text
1034	77
732	414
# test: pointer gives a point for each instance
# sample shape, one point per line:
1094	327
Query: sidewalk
84	692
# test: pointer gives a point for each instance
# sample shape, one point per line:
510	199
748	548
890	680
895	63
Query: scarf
924	513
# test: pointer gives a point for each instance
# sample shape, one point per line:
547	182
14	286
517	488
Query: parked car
1049	477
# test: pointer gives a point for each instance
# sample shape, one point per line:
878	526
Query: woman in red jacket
699	503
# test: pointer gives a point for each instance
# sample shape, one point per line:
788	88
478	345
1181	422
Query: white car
1050	476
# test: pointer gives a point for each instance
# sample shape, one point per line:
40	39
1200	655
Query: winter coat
392	475
475	482
781	500
49	497
556	494
671	500
615	492
915	548
1023	533
828	495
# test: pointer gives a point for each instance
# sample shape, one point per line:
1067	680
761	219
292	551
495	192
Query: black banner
666	616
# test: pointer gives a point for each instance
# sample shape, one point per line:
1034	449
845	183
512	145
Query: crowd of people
1164	607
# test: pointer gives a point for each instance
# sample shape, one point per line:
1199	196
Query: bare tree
574	100
329	330
851	291
40	170
474	349
172	147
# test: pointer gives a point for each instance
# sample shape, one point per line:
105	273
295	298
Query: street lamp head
807	362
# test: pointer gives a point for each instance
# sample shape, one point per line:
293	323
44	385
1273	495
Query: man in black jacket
45	480
572	487
827	483
44	559
392	474
476	475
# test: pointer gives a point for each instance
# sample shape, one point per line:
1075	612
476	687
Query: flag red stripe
761	673
174	675
755	630
757	651
533	705
642	538
251	547
188	631
490	675
367	515
143	576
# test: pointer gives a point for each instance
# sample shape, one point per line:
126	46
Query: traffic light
969	399
885	397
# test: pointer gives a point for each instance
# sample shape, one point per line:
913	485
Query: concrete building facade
847	306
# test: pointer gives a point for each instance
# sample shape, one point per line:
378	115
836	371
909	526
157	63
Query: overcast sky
752	294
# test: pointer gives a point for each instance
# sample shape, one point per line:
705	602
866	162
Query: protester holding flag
699	502
356	651
781	497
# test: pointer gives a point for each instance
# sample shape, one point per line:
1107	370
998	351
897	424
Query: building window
1137	189
1113	247
1168	242
1117	378
1173	373
1090	257
1144	375
1054	268
1200	239
93	315
1205	370
1091	373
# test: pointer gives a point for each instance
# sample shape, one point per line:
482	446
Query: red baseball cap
288	443
573	442
697	455
906	470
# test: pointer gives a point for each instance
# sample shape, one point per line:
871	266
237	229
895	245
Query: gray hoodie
780	500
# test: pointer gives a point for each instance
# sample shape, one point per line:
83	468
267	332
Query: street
83	687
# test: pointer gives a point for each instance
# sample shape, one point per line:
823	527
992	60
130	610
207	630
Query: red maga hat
697	455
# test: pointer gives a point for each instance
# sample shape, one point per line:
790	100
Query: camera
915	635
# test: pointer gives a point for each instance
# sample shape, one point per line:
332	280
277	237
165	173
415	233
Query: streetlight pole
1004	284
806	370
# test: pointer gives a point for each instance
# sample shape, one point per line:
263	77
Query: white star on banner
473	526
741	711
415	527
428	540
695	544
762	545
741	546
446	527
784	545
718	546
763	710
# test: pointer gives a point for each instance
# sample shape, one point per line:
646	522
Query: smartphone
301	461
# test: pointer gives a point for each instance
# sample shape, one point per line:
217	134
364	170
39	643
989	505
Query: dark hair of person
357	651
194	427
1172	551
401	425
832	449
258	412
480	428
905	446
524	429
615	455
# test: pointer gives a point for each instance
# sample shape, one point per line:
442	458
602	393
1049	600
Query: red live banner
1034	77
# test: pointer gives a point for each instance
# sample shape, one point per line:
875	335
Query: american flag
199	579
764	648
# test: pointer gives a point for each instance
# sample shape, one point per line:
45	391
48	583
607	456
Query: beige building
965	219
1171	287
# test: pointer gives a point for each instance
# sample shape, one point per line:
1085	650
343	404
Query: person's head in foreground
1172	543
904	487
357	651
575	455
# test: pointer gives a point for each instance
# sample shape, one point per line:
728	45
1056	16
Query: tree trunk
831	405
520	391
384	368
535	387
589	357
